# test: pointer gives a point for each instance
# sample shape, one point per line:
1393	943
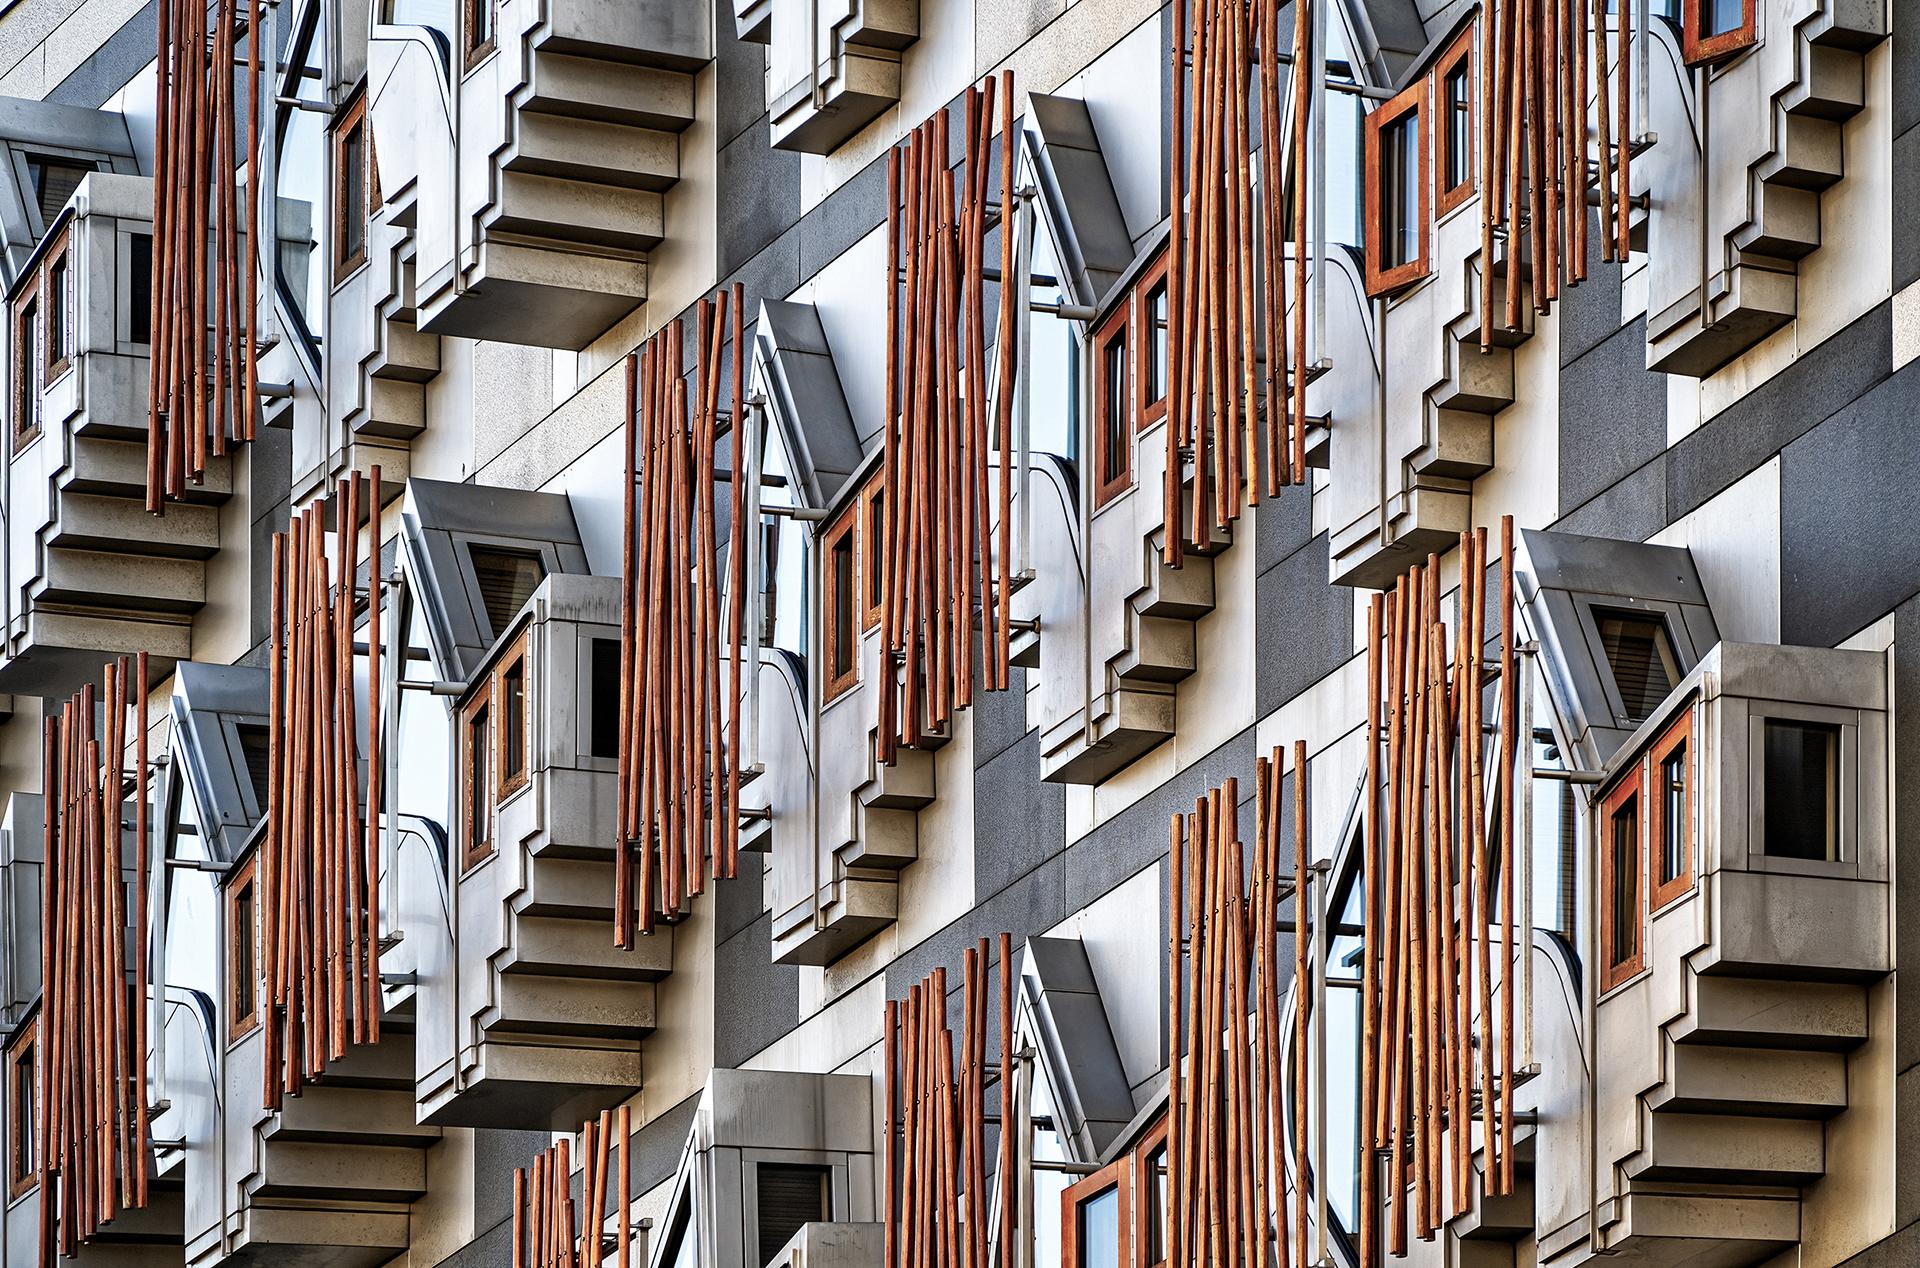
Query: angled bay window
1453	138
1621	890
1397	208
1714	29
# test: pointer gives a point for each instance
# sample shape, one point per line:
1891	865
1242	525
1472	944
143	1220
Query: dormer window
1801	765
507	579
1397	208
1715	29
1640	654
54	180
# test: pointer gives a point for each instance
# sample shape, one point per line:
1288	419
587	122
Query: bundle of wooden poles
548	1231
940	566
679	784
1437	873
1232	404
1541	62
1229	1068
320	860
935	1168
205	372
93	1123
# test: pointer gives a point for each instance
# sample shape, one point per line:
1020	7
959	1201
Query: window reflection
425	737
1346	920
1053	360
300	173
1099	1232
783	554
1555	845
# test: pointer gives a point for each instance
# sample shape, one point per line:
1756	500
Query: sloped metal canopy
1076	192
474	555
220	729
1089	1082
808	405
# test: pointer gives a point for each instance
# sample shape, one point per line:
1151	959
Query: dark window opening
140	288
1098	1231
59	310
353	193
254	749
1400	192
1157	1206
769	581
513	723
1623	914
873	556
1801	796
1154	365
478	829
605	706
479	29
1672	774
23	1160
507	579
1113	461
54	180
1457	101
1641	657
792	1195
843	606
243	964
1721	17
27	371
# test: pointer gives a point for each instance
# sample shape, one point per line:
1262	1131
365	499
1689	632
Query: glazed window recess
873	528
1800	765
1397	208
1112	408
54	180
243	944
477	30
1622	891
23	1062
1713	30
604	724
789	1196
1150	334
506	578
350	189
58	296
1671	765
140	288
300	177
1640	656
476	758
513	727
1453	136
1095	1220
840	618
28	371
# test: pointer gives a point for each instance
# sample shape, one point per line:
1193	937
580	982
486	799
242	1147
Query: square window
1801	793
1711	30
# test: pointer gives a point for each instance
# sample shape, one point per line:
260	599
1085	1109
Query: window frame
477	51
23	1173
1615	969
29	372
1412	100
239	1024
873	502
1148	412
1700	50
517	655
1678	735
1116	1176
1459	54
352	119
836	625
59	256
1115	332
476	847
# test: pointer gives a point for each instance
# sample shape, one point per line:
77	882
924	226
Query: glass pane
843	608
514	709
1156	366
1400	191
1156	1183
57	302
1099	1231
479	754
1459	130
1346	147
300	170
1113	465
784	555
1624	833
1802	802
507	579
1053	361
1717	17
353	212
1641	657
1343	1036
1556	820
140	288
1673	814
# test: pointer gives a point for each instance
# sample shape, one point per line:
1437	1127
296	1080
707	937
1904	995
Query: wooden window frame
239	1024
1410	101
505	785
845	527
23	1175
354	117
476	847
1458	54
1699	50
29	377
1145	1196
873	501
1679	735
1116	1175
478	50
1116	332
1615	970
1148	412
60	255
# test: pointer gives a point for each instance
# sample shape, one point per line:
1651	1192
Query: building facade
936	633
